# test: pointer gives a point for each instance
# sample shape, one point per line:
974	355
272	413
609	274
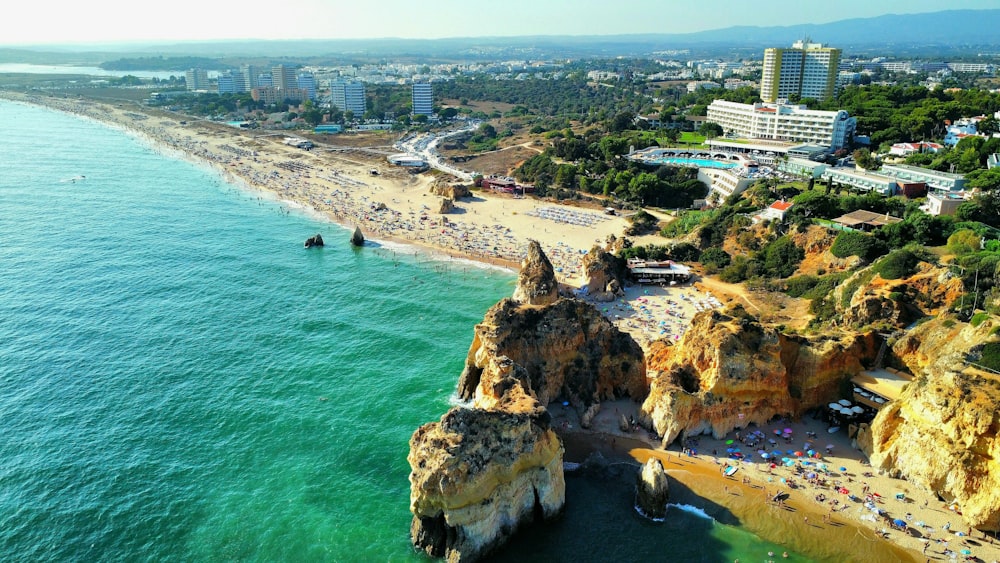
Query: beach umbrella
810	475
844	402
810	452
729	442
798	454
834	406
857	410
821	465
829	446
966	552
777	432
899	522
843	469
765	455
729	450
788	430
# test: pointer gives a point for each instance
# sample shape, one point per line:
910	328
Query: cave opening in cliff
685	379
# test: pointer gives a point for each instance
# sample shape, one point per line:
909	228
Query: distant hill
952	33
952	27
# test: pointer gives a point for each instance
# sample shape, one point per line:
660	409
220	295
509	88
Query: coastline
392	207
356	208
845	531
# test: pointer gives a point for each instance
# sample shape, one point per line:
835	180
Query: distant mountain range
952	33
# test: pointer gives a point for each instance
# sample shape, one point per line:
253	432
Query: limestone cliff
477	475
898	303
603	274
536	283
568	350
728	370
942	433
482	472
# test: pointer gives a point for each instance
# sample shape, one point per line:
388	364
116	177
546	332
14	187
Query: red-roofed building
776	211
906	149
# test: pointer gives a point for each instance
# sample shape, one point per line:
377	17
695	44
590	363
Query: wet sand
848	532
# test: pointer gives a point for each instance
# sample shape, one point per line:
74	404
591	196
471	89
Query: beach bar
875	388
647	271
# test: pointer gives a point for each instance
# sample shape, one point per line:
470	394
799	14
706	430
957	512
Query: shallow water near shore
182	381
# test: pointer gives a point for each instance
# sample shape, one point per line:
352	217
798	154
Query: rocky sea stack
485	470
358	239
652	490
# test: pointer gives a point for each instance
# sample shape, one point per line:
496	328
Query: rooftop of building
889	168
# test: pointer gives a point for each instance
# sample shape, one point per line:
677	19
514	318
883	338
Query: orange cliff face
483	471
729	370
943	433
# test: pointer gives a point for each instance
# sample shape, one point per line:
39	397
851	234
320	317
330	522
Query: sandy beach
817	516
495	229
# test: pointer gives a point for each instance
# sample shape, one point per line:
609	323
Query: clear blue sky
74	21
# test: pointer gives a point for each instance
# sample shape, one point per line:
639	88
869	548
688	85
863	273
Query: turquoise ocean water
181	381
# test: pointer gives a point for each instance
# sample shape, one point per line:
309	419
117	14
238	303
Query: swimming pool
699	162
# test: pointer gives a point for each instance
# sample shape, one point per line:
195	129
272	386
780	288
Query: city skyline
114	21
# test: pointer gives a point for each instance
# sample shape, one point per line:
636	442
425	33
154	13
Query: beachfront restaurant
876	387
665	272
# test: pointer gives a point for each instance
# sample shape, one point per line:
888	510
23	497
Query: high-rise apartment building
806	70
283	78
232	82
423	98
196	79
307	82
349	96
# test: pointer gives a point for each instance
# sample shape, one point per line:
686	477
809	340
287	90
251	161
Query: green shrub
991	356
799	285
851	243
898	264
715	257
948	323
978	319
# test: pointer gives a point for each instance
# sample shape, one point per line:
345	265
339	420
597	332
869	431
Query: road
425	146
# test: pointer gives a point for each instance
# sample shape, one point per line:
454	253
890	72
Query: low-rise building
723	183
866	220
906	149
945	181
993	161
942	204
774	212
802	167
861	180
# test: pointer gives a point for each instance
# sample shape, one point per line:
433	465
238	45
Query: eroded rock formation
481	472
652	489
728	370
898	303
536	283
478	475
450	191
603	273
312	241
942	433
568	350
357	239
446	205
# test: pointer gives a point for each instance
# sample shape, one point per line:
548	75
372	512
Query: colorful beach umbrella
843	469
729	442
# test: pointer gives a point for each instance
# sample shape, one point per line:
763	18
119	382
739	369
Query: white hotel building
783	122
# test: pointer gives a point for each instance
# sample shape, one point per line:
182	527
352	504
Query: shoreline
339	189
748	493
354	207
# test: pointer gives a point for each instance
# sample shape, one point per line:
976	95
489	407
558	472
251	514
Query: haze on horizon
62	22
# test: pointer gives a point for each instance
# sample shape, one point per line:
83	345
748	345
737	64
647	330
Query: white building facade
784	122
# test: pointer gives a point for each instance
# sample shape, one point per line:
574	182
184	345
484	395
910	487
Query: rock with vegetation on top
943	433
568	350
451	191
652	489
728	371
